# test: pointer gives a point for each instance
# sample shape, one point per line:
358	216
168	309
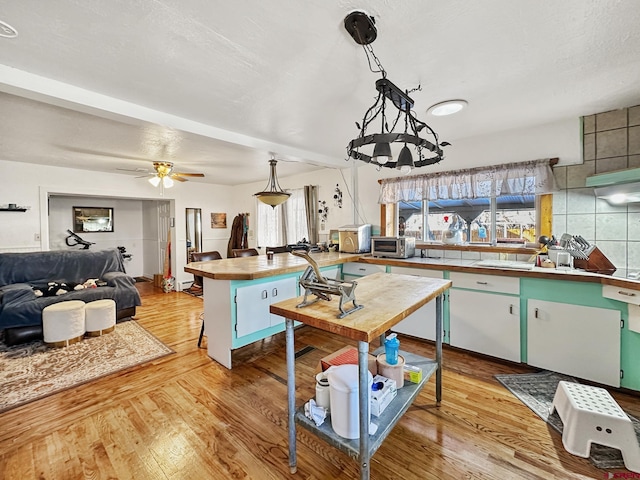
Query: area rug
536	391
33	370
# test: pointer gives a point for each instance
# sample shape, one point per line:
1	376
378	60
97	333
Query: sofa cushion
58	266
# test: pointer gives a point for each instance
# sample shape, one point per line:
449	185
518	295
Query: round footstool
100	317
63	323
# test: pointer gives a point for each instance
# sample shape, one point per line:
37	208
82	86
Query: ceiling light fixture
163	170
7	30
362	29
273	194
447	108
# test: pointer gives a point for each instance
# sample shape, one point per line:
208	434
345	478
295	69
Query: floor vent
304	351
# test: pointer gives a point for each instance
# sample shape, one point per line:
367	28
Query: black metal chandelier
362	29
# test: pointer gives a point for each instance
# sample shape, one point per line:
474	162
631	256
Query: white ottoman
100	317
63	323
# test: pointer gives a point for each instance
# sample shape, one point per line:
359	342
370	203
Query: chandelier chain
368	50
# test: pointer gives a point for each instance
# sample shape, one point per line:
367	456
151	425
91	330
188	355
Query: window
269	225
285	224
513	220
495	204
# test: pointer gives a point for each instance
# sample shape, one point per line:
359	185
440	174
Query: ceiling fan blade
136	170
177	177
188	174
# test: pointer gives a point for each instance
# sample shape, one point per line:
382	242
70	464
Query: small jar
322	391
269	255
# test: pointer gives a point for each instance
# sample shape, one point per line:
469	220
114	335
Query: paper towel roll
394	372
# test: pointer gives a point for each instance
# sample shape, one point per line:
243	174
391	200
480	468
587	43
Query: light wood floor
186	417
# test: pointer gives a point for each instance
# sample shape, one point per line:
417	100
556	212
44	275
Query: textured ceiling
216	86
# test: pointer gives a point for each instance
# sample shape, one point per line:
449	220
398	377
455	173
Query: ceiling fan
166	175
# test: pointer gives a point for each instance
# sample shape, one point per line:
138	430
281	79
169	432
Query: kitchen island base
388	299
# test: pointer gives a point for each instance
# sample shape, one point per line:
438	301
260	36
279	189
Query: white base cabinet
354	270
485	323
422	322
253	301
574	340
484	314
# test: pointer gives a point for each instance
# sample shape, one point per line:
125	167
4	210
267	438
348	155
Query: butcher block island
387	299
239	291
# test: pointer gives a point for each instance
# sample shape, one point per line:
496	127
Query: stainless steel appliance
355	238
393	247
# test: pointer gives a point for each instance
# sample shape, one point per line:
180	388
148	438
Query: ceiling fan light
155	181
382	153
167	182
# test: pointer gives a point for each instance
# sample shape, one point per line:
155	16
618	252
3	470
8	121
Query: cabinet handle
362	269
264	294
535	313
482	283
628	294
511	309
274	292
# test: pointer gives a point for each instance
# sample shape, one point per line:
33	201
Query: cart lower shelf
385	422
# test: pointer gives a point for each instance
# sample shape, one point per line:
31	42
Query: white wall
27	184
560	139
127	227
31	185
326	179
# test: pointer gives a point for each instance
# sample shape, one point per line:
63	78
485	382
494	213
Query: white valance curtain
534	177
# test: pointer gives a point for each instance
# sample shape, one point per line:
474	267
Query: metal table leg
363	399
439	349
291	394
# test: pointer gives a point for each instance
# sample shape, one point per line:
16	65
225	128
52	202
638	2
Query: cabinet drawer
360	269
486	283
419	272
626	295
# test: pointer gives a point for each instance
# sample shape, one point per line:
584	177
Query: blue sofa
21	309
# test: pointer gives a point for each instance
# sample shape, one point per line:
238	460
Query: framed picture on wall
92	219
218	220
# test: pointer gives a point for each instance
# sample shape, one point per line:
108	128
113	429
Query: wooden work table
387	299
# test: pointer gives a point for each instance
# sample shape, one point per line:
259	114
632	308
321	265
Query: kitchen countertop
471	266
251	268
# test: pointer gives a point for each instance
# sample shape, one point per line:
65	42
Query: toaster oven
393	247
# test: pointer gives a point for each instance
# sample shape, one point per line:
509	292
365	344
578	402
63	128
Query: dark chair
199	282
283	249
203	257
244	252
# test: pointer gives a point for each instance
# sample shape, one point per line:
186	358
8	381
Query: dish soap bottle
391	347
